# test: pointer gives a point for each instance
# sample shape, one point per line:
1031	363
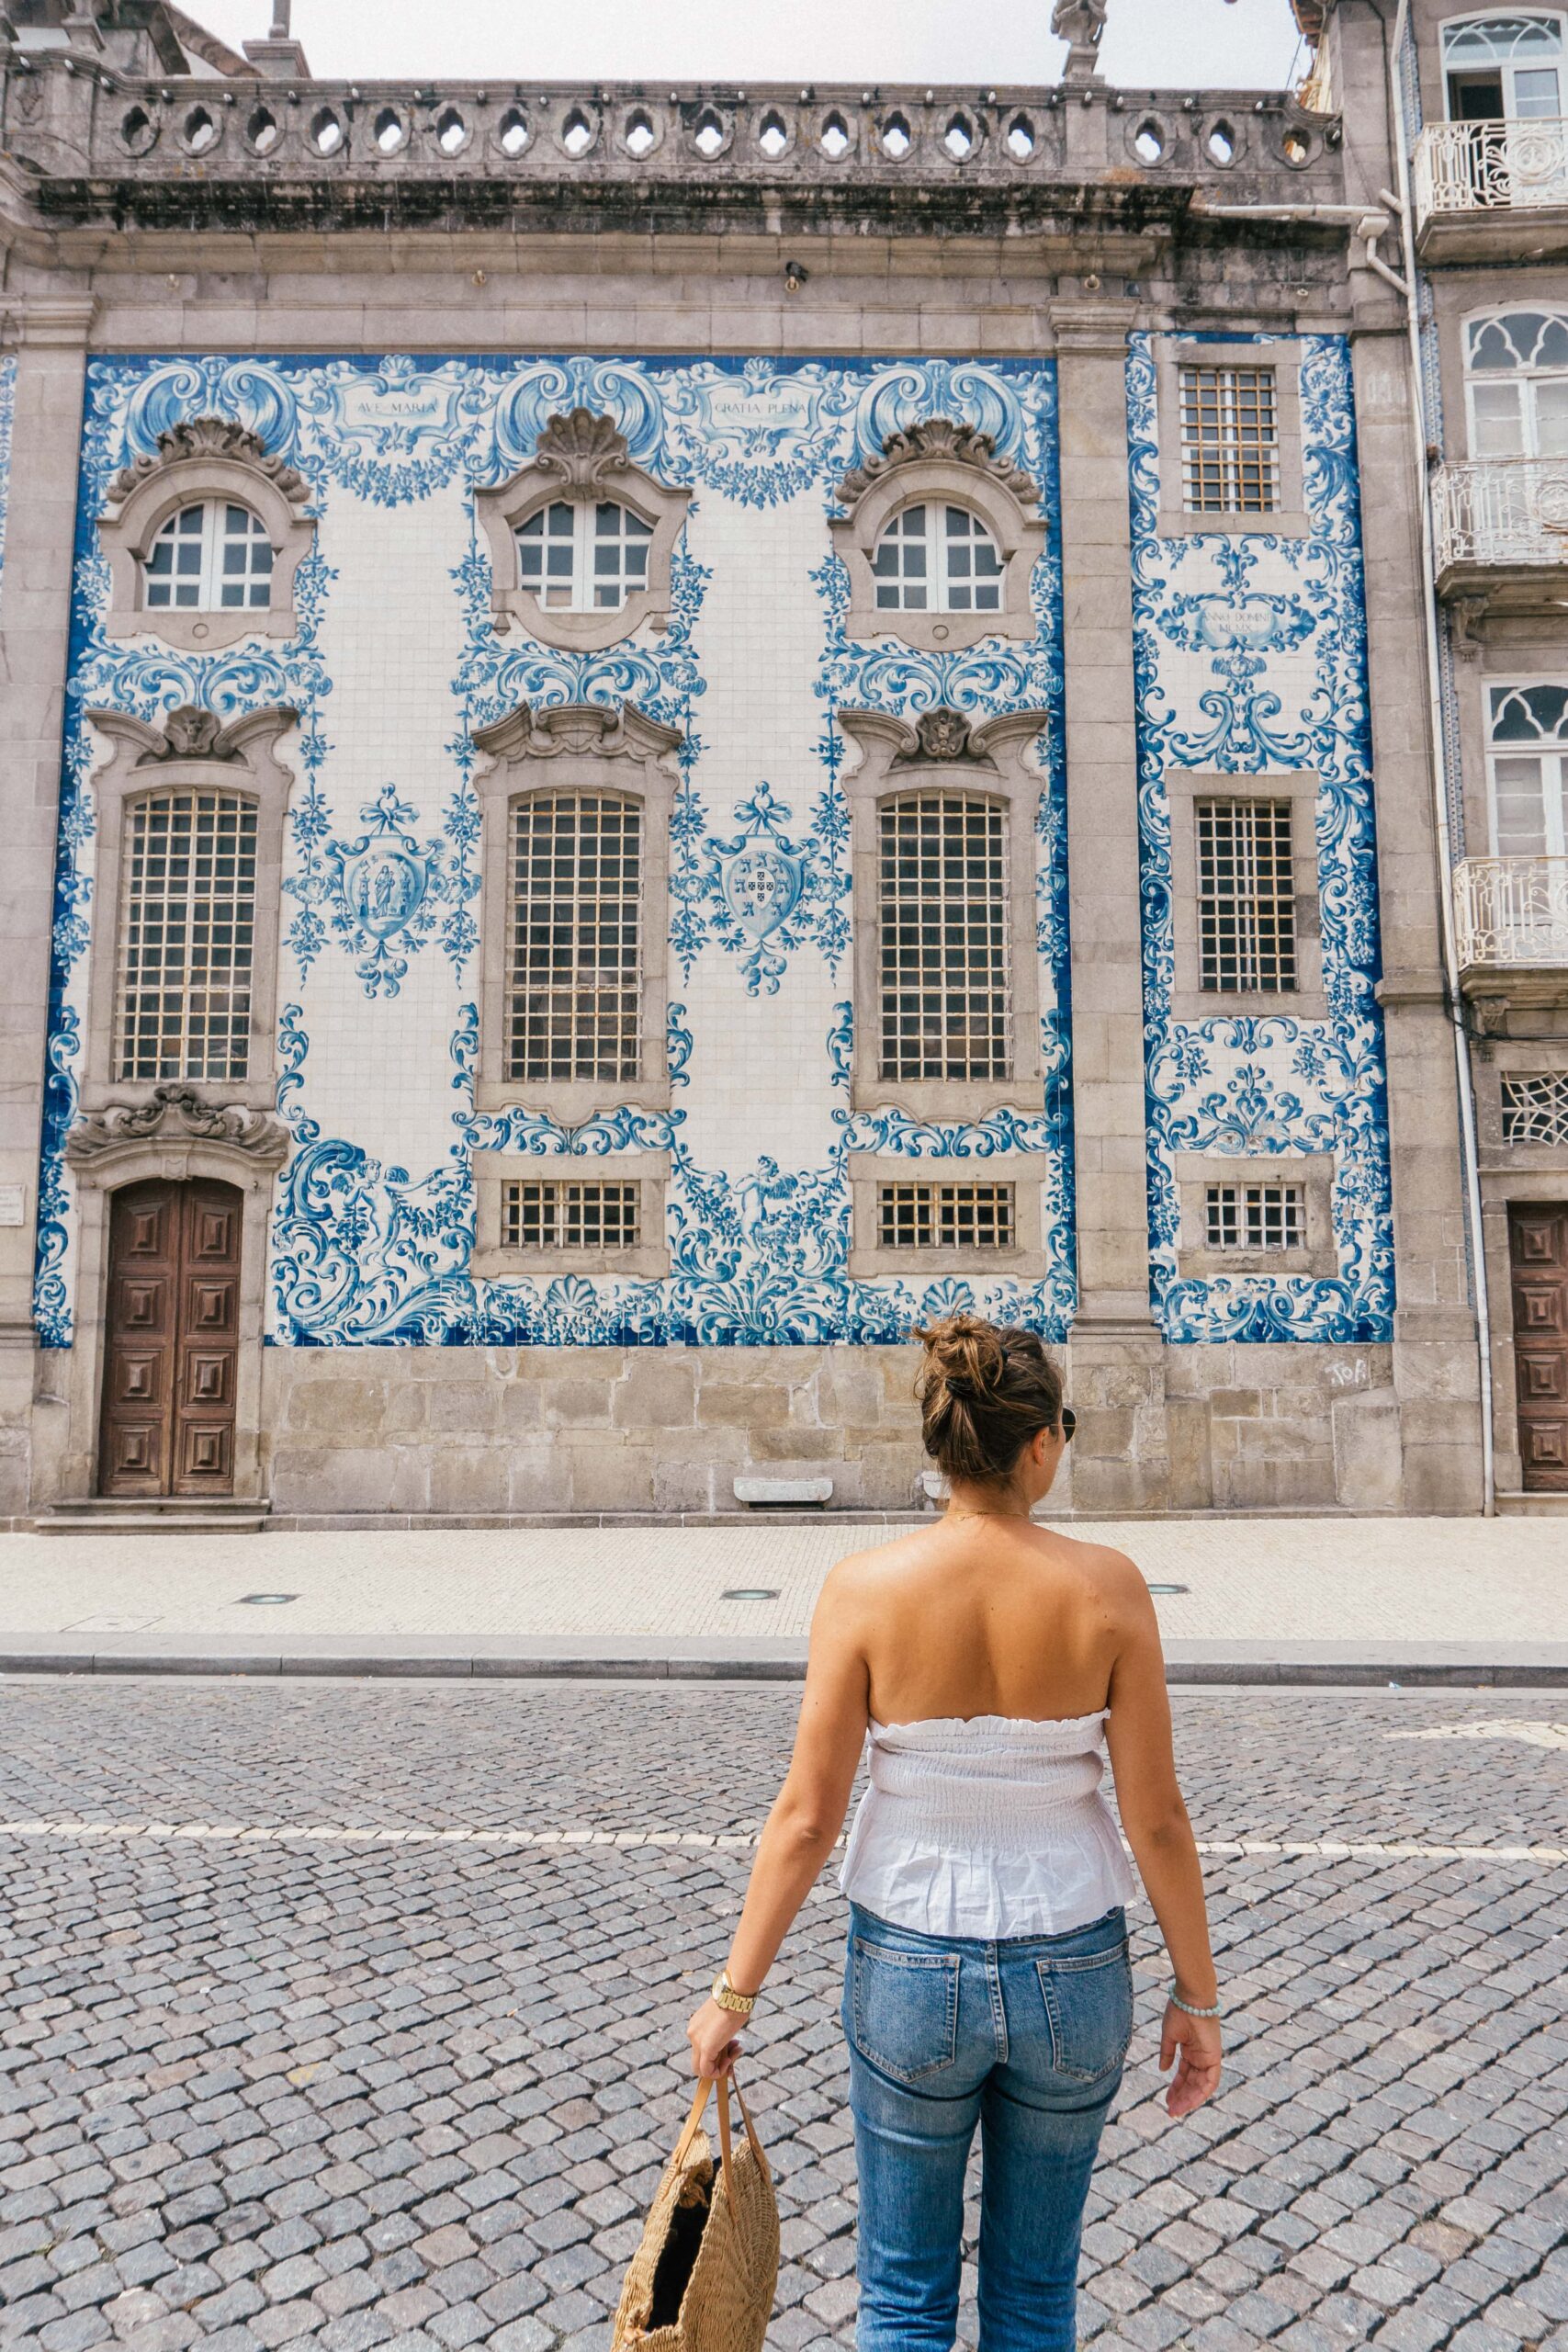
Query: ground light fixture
264	1600
750	1592
1170	1587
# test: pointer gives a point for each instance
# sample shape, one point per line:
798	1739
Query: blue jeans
1026	2038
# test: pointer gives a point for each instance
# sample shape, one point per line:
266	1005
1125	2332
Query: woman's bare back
988	1616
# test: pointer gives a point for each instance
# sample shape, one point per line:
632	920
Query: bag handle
695	2117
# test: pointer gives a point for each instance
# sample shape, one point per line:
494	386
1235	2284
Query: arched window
583	557
943	943
1527	769
1516	381
574	979
186	936
937	558
1503	68
211	557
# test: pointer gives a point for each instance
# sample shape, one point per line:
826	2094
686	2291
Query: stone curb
1286	1665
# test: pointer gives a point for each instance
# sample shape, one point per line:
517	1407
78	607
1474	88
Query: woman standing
988	1978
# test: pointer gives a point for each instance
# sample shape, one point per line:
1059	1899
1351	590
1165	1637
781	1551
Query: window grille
1535	1106
1230	440
576	945
187	934
945	1216
584	558
1257	1217
943	947
212	558
937	560
570	1216
1247	905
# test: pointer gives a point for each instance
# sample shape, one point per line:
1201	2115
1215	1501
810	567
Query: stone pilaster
1436	1370
1122	1456
51	337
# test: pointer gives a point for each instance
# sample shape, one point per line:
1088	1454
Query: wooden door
1538	1245
171	1347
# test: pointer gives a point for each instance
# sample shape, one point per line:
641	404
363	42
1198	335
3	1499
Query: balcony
1500	532
1492	191
1511	922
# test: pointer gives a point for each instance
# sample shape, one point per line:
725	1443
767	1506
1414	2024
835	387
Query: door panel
1538	1244
171	1347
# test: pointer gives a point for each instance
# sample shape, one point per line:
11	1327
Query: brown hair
985	1390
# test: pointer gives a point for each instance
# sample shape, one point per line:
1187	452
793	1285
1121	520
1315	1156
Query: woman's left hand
712	2036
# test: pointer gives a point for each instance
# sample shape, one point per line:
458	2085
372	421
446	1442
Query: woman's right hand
1195	2041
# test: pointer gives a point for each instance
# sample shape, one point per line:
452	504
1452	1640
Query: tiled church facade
470	1275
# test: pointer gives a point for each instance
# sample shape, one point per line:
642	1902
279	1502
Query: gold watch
739	2005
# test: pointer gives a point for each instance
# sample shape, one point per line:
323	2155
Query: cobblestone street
353	2014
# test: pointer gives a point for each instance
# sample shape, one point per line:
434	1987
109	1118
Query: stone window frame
491	1261
1516	1163
942	752
1313	1171
938	459
190	753
173	1133
576	746
1290	520
1026	1171
1189	1001
582	458
205	458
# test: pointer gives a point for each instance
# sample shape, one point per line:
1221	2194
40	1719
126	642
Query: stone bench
783	1493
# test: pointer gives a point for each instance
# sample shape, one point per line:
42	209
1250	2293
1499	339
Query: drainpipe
1469	1142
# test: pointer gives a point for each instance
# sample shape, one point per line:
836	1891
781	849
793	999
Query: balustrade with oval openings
452	133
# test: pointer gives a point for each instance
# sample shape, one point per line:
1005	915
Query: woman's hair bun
983	1390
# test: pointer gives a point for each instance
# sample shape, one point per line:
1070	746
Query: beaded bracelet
1189	2009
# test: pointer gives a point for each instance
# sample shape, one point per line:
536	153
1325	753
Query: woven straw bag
703	2279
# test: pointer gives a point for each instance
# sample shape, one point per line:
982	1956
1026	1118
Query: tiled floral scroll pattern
396	663
1250	659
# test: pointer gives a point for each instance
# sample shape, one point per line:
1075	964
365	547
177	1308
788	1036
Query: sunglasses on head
1068	1422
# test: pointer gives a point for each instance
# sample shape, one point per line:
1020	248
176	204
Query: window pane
974	568
943	938
1255	1216
1229	440
1552	416
186	934
209	558
1535	92
1517	788
576	952
1499	419
1246	906
570	1216
944	1216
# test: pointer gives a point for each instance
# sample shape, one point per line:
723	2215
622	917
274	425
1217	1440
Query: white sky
1222	43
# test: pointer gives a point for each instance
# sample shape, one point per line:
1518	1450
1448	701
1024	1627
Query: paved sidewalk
1301	1598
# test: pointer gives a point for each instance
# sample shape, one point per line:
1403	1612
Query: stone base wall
520	1432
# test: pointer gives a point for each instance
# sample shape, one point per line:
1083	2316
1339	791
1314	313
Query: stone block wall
511	1432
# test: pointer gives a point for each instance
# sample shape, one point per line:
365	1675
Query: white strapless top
985	1828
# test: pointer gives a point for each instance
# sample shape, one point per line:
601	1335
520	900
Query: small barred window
1230	440
582	556
1257	1217
570	1216
187	935
935	559
943	937
1535	1106
212	558
1246	906
945	1216
576	948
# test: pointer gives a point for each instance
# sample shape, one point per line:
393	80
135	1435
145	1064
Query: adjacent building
652	734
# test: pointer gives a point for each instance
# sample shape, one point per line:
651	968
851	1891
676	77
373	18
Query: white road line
326	1834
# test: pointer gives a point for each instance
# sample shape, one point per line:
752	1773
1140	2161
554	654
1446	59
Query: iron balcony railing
1490	166
1511	911
1501	511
